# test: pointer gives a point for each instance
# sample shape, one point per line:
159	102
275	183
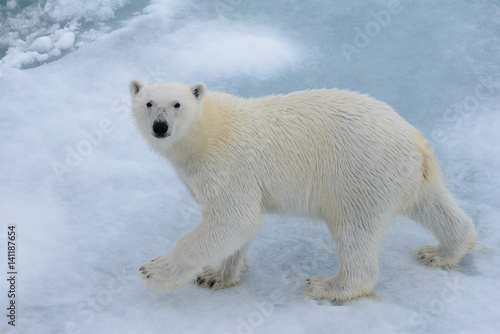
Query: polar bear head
164	111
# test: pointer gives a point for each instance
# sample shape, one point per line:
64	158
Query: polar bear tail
436	210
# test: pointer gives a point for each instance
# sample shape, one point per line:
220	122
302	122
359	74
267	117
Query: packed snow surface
91	203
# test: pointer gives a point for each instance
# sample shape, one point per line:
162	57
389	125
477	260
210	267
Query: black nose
160	128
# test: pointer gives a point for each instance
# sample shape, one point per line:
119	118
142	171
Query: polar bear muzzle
160	129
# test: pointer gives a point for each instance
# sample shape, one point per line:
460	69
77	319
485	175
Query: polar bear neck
207	133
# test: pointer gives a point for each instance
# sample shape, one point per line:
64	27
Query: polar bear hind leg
226	274
437	211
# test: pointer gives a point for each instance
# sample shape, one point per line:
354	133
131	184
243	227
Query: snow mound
45	30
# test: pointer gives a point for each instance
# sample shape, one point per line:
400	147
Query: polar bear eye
177	105
149	104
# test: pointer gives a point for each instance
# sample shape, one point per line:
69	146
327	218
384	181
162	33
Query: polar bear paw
223	277
212	279
163	273
431	256
330	288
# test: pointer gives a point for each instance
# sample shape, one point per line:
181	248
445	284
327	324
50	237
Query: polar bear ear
198	90
135	87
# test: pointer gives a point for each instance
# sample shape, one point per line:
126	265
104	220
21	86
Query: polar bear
334	155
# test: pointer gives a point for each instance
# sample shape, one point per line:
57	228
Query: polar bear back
311	152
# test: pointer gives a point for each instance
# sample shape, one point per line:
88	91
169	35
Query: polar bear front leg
356	245
166	272
221	234
226	274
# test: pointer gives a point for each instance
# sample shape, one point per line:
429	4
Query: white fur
334	155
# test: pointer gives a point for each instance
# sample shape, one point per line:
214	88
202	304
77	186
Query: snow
50	27
11	4
41	44
91	203
66	40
